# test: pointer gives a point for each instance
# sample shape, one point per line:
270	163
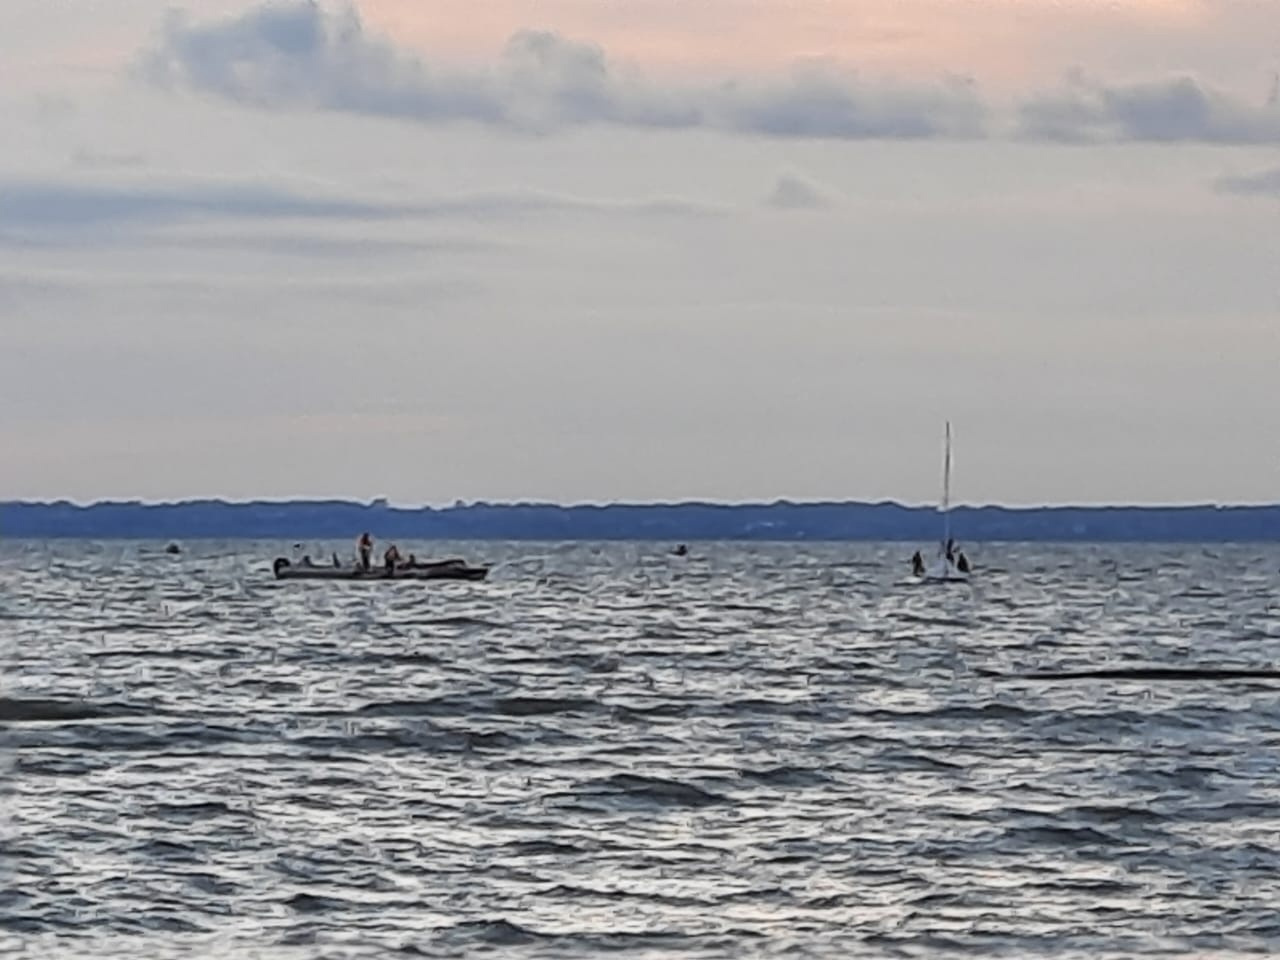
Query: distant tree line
780	520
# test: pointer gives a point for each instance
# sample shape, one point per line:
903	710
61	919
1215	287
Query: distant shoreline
784	521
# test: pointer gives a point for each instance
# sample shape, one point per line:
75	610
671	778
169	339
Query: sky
583	250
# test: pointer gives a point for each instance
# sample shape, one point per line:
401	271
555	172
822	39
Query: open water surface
759	750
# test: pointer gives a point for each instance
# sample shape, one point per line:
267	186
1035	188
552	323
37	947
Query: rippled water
755	751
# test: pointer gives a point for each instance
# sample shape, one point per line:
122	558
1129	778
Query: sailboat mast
946	491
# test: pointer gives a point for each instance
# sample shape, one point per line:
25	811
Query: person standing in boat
391	558
365	547
917	564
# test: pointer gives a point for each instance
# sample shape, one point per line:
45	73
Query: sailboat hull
942	571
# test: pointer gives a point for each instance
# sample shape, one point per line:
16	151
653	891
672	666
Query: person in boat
681	551
951	550
391	559
306	560
917	564
365	548
336	561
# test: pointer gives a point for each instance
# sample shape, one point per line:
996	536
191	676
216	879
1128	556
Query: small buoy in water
173	548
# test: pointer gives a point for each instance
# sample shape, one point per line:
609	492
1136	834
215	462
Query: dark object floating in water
430	570
681	551
1146	673
173	548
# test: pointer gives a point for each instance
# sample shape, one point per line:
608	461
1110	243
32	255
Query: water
760	750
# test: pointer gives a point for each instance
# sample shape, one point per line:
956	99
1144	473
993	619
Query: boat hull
943	570
449	570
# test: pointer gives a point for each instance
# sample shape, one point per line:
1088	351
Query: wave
1143	673
459	620
665	710
987	711
570	892
192	812
545	848
174	653
544	706
496	933
911	760
417	739
931	621
633	790
463	706
313	903
505	933
1059	836
786	776
17	710
1115	814
167	850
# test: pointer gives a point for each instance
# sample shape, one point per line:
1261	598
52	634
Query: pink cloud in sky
1005	43
302	55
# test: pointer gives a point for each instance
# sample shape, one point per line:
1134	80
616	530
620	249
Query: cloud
1174	110
309	246
88	159
1265	183
299	55
792	192
52	205
822	102
305	55
48	207
296	244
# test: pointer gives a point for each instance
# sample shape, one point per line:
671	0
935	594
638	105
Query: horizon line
458	503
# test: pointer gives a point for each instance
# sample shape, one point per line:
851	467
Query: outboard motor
279	565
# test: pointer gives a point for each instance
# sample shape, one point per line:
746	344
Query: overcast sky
582	250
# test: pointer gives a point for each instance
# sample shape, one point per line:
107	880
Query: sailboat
949	565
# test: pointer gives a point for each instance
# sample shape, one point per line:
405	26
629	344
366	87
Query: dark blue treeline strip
780	520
